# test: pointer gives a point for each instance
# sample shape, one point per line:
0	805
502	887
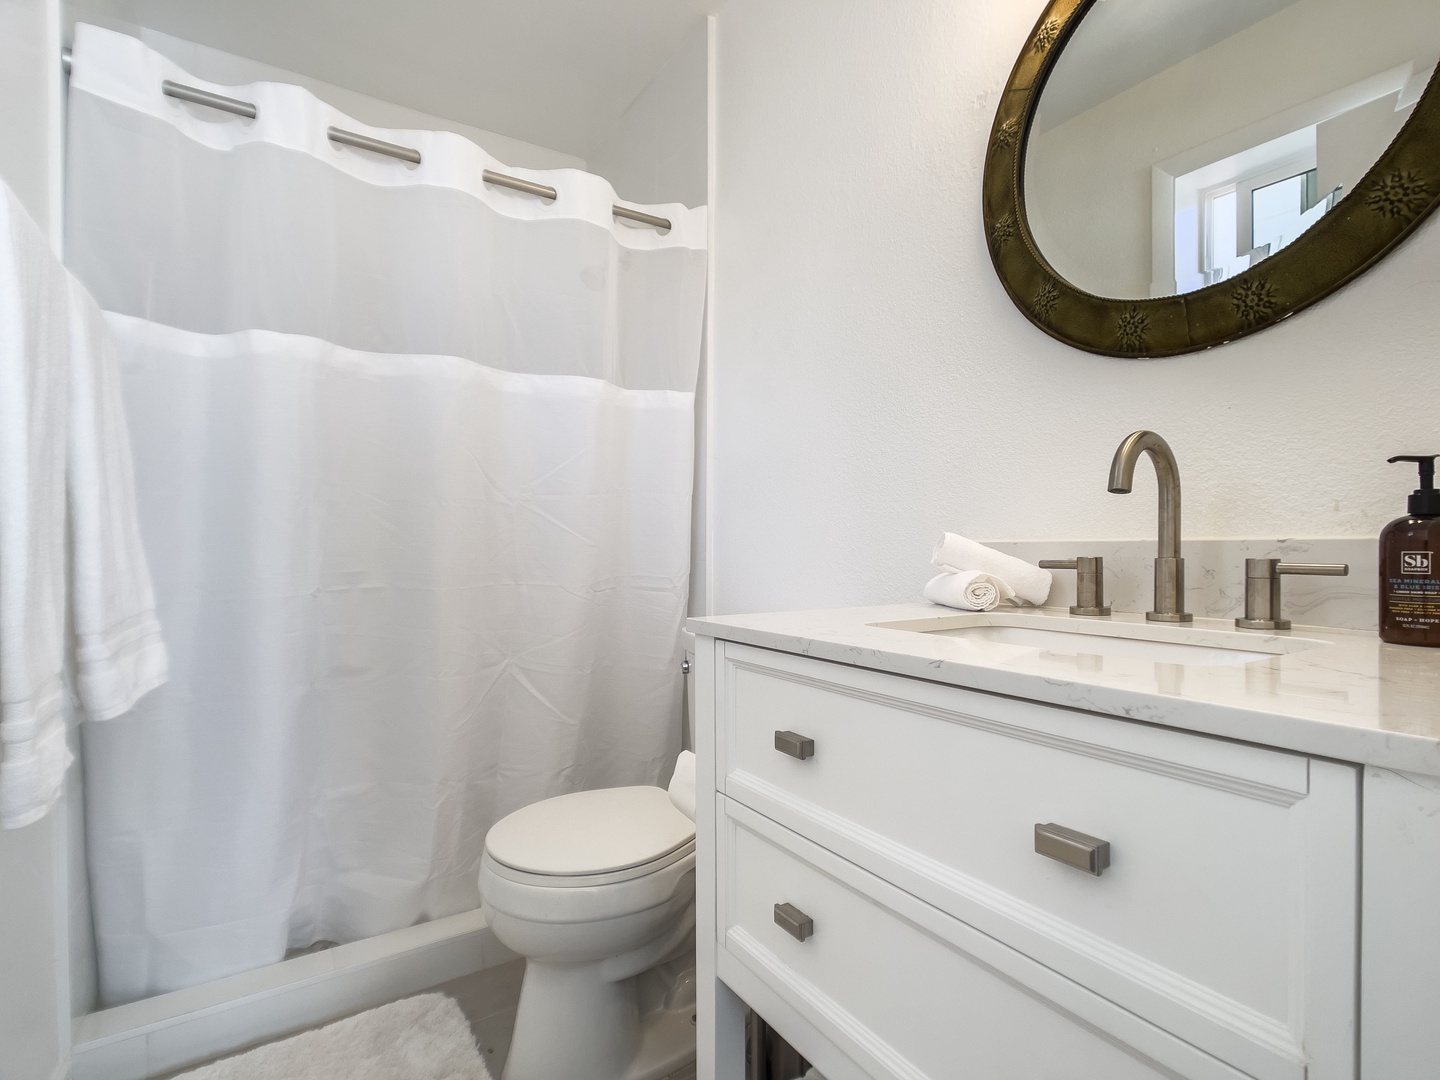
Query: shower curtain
413	456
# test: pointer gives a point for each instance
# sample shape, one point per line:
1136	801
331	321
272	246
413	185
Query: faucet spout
1167	474
1169	565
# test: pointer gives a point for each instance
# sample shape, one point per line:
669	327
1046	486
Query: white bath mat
420	1038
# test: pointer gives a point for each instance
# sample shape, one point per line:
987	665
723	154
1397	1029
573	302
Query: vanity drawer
906	991
1226	914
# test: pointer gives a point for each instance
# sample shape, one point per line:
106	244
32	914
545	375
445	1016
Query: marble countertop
1339	694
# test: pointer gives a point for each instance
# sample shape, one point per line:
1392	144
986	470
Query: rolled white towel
682	784
973	591
959	555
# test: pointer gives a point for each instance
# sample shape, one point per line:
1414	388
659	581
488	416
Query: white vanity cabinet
869	882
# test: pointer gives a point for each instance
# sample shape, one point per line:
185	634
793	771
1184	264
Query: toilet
596	890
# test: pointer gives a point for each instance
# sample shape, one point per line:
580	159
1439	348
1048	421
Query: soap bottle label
1415	563
1412	601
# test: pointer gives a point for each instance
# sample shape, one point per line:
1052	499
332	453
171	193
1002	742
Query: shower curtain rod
377	146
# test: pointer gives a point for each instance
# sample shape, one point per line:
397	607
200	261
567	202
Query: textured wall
30	104
656	153
873	384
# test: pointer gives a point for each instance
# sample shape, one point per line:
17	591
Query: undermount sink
1058	634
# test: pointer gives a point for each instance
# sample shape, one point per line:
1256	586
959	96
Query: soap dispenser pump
1410	565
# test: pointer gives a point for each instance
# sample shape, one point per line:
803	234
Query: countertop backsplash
1215	576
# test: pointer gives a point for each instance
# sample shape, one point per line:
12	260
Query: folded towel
682	784
119	654
34	388
974	591
958	555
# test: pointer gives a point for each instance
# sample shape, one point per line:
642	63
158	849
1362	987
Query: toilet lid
591	832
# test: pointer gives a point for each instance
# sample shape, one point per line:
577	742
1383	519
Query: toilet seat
581	881
590	838
592	855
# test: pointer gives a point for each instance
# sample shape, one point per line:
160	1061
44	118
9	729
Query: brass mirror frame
1399	192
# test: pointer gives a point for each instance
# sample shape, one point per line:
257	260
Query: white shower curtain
413	456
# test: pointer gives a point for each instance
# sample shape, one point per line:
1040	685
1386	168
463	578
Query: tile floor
488	999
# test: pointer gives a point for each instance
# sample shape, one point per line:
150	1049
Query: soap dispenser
1410	565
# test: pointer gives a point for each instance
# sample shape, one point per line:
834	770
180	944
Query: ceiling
558	73
1121	43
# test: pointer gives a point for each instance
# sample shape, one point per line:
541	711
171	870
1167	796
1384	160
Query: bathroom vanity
1029	844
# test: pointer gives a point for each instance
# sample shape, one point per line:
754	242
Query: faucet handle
1262	589
1089	583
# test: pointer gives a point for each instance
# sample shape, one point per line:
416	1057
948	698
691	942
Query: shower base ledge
171	1031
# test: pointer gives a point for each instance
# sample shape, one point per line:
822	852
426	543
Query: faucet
1169	566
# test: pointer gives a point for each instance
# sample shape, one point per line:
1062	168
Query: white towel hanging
63	445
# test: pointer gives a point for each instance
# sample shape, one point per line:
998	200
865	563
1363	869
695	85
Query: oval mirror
1165	175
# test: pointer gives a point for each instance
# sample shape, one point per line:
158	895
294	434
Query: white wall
873	384
34	1006
656	153
29	106
1347	145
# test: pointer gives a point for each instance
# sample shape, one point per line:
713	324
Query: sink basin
1055	634
1162	652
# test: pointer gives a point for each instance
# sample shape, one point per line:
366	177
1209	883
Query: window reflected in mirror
1179	143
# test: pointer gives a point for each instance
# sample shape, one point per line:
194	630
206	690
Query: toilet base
667	1044
573	1027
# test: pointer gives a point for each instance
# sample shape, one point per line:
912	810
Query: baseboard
172	1031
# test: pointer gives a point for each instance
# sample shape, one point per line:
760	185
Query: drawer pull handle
794	921
796	745
1072	848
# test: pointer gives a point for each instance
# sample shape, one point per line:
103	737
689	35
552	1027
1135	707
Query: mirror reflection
1178	143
